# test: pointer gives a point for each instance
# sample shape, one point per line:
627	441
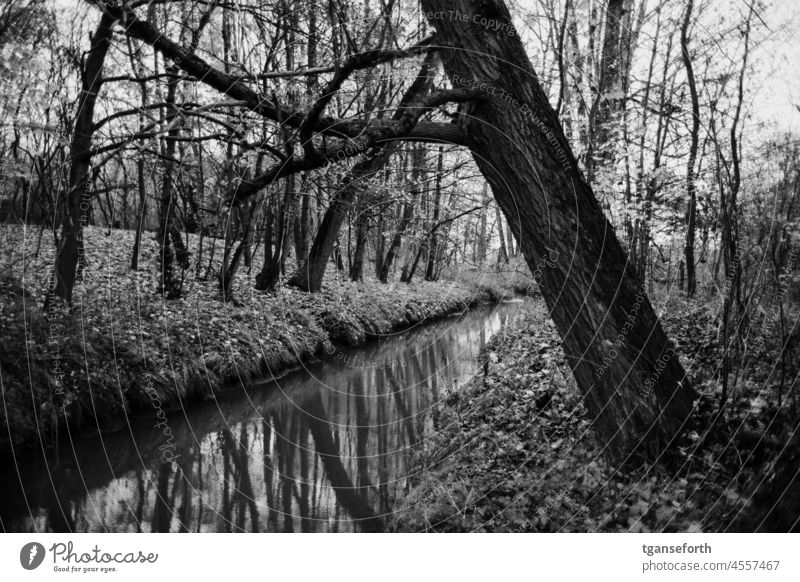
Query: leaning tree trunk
632	381
309	276
70	245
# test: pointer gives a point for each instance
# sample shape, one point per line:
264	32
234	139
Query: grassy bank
122	350
517	453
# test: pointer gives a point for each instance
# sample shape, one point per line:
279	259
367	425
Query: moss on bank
122	348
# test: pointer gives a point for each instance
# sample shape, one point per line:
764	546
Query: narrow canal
322	449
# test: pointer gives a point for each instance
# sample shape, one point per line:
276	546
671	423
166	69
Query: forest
400	265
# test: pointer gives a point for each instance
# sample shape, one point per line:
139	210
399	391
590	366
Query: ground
122	346
517	452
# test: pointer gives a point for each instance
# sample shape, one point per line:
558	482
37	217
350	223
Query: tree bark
730	227
137	65
482	242
78	202
502	254
302	223
397	239
279	222
168	235
362	230
632	381
433	237
691	193
418	159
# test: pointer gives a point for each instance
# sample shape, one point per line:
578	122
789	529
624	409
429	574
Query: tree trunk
301	231
337	255
77	200
168	236
380	243
610	97
279	222
691	193
502	254
511	247
632	381
137	65
309	276
645	189
482	242
730	228
397	239
362	230
302	227
228	271
417	173
408	275
137	241
433	238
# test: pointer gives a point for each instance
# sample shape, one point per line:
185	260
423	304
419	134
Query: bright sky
776	60
780	55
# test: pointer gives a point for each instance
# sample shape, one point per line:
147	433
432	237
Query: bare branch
236	88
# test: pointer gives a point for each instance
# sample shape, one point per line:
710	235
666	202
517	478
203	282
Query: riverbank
123	351
516	452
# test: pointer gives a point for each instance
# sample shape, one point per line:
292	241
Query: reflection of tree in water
398	396
362	429
348	496
238	497
162	513
307	457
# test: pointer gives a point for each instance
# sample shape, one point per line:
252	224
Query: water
323	449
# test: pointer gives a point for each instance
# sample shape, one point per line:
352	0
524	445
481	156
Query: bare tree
691	191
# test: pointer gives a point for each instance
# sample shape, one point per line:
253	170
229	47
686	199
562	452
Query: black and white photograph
519	269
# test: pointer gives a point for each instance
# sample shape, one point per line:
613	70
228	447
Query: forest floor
123	350
516	452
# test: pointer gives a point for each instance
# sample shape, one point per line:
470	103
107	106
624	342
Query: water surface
323	449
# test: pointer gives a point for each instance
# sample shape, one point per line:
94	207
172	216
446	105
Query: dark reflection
324	449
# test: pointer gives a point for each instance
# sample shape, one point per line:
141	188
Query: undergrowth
121	346
516	452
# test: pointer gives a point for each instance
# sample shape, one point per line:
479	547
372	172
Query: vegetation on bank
517	452
123	347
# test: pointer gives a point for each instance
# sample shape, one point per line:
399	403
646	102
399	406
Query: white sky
775	78
780	55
